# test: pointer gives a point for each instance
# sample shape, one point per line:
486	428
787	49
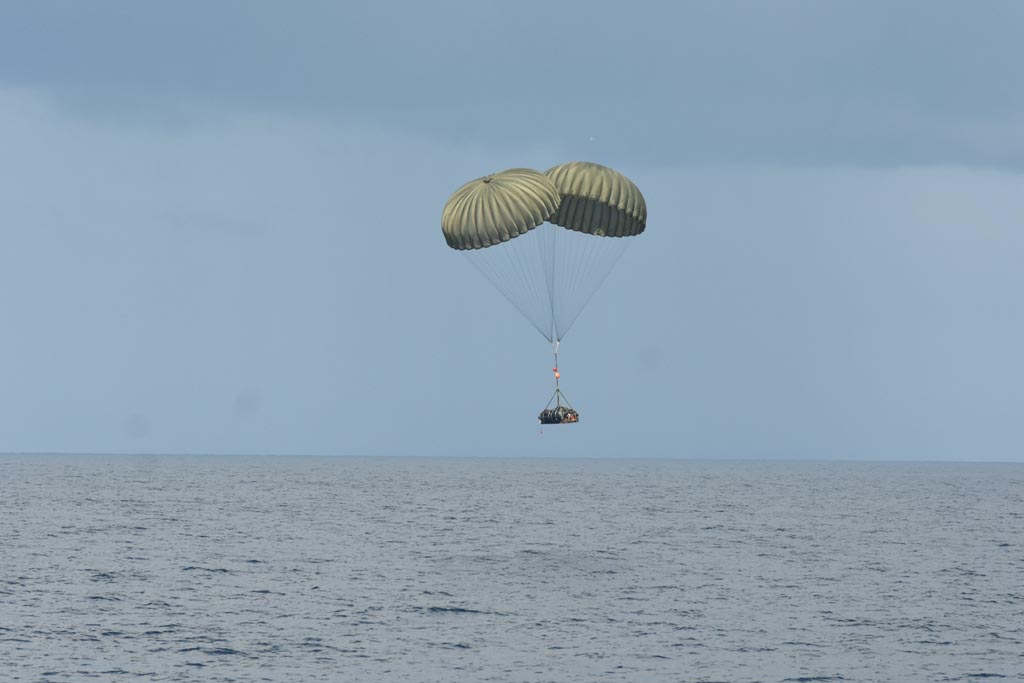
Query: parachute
546	241
488	211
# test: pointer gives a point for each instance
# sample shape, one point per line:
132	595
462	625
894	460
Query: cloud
656	83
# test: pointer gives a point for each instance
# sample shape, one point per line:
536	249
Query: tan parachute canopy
498	207
597	200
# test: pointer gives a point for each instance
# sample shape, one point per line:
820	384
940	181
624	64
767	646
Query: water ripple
320	569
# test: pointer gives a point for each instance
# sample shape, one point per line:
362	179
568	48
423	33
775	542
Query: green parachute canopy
495	208
597	200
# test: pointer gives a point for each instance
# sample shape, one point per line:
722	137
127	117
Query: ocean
182	568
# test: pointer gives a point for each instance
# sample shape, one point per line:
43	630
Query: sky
220	228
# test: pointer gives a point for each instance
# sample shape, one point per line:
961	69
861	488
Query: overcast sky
220	227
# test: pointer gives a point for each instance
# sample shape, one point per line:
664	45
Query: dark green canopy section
498	207
597	200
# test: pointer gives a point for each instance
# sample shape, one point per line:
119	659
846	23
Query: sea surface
117	568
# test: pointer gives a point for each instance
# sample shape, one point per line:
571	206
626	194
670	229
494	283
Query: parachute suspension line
590	250
514	273
601	277
579	265
501	285
546	260
573	271
550	273
552	289
525	268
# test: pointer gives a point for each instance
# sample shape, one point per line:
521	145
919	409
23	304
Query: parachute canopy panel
597	200
495	208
